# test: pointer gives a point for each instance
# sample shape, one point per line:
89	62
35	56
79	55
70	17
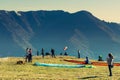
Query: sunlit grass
9	70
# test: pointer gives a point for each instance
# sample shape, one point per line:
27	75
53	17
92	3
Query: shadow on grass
89	77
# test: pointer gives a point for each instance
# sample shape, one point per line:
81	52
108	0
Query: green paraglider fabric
63	65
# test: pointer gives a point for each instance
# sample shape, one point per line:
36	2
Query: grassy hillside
9	70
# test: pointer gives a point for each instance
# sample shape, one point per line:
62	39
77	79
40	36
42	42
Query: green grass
9	70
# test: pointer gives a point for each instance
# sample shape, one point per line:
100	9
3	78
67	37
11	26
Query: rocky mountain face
57	29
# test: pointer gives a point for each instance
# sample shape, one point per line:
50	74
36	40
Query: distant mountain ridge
57	29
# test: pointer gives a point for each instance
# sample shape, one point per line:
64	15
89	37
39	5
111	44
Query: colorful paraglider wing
65	48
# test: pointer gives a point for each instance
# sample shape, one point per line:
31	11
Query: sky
108	10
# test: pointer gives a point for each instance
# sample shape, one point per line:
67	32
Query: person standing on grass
30	55
26	56
110	63
53	53
42	53
78	53
87	60
37	53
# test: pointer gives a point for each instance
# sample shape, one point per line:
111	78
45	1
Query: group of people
28	57
110	58
43	53
52	53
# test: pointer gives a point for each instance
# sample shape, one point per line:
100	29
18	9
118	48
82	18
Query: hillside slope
57	29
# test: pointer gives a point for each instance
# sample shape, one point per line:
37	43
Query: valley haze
56	29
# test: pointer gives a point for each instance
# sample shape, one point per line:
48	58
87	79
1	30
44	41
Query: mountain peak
83	12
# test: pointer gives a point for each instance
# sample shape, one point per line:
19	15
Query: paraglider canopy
65	48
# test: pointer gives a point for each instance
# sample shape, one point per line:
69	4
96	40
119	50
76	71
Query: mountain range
56	29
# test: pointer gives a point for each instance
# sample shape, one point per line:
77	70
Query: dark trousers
30	58
53	55
42	55
26	58
110	70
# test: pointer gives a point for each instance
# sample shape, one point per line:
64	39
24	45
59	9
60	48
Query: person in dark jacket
37	53
42	53
30	55
53	53
78	53
87	60
110	63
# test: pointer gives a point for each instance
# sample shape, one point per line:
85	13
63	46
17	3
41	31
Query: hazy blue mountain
57	29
